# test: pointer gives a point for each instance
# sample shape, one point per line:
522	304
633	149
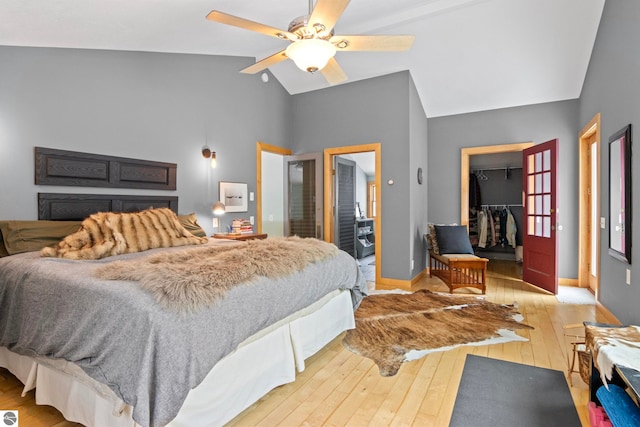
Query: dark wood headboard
71	168
58	206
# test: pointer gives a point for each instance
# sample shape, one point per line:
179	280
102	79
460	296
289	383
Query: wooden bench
459	270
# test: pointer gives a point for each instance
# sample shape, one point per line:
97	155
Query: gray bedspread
116	332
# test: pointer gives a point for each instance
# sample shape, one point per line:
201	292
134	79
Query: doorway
465	154
303	195
330	197
465	170
269	178
589	146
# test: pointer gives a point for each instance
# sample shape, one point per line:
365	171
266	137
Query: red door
540	240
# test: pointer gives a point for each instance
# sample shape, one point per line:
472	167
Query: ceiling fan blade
327	13
333	72
372	43
225	18
265	63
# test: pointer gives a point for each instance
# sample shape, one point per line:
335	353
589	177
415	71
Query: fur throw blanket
105	234
199	277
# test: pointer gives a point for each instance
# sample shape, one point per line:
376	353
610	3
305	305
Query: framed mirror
620	195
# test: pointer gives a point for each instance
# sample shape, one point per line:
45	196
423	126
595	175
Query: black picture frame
620	203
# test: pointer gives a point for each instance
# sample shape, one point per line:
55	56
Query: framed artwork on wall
234	196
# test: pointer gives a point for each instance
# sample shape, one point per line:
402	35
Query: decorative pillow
453	239
190	222
432	242
106	234
27	236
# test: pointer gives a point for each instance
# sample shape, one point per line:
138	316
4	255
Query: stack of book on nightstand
242	226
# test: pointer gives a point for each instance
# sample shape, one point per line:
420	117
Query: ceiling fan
313	43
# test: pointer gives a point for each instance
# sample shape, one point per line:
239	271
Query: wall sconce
208	154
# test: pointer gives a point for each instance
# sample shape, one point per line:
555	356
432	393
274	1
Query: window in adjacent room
371	199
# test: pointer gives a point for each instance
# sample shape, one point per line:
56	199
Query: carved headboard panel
56	206
70	168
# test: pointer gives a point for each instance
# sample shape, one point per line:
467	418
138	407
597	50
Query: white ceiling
469	55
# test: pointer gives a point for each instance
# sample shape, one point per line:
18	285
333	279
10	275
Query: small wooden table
248	236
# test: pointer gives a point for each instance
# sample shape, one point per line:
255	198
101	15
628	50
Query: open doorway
269	182
368	225
496	201
589	146
484	161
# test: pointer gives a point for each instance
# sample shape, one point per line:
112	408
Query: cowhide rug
394	328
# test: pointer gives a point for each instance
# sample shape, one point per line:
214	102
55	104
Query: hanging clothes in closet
496	227
511	229
475	204
482	228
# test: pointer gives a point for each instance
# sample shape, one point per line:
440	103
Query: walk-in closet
495	205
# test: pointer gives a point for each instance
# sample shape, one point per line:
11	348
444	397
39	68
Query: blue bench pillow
453	239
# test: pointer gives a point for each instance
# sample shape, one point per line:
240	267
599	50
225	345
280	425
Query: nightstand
250	236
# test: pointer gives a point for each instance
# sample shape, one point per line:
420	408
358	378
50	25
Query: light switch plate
214	222
628	276
251	196
251	219
602	222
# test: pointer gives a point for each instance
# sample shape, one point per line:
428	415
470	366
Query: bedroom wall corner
368	111
611	89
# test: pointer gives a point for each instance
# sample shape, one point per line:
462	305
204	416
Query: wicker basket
584	363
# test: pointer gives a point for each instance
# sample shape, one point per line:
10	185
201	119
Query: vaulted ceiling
468	55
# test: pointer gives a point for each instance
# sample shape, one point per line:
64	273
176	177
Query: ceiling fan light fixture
311	54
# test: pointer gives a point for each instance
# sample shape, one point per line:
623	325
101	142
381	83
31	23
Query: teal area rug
495	393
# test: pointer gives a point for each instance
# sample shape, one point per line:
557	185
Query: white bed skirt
261	363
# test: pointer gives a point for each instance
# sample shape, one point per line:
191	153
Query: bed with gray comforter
150	356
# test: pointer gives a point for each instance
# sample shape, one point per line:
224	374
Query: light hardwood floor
339	388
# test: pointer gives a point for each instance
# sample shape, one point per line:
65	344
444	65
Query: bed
106	353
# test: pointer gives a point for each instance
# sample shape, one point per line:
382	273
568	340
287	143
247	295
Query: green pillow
28	236
190	222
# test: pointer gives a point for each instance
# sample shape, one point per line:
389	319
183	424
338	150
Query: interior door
540	239
345	205
303	195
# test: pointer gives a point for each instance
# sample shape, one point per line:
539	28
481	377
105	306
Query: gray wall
418	200
611	88
132	104
536	123
363	112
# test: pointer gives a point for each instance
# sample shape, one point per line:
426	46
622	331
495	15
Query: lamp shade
311	54
218	208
